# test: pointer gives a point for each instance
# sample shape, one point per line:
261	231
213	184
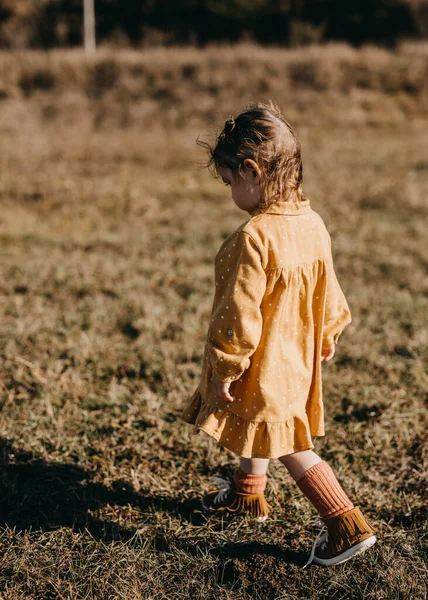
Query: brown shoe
341	538
228	499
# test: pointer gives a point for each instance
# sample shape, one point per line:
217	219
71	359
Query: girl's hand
327	352
221	390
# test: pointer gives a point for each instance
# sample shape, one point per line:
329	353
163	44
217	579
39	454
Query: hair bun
229	126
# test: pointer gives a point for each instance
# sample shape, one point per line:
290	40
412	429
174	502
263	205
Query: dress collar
283	207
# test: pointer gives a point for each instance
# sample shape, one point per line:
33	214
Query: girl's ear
252	169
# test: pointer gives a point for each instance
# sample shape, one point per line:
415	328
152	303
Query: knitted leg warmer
320	486
248	483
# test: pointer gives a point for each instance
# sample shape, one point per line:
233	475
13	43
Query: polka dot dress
277	301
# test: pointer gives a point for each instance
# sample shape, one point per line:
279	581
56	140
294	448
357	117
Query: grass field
108	230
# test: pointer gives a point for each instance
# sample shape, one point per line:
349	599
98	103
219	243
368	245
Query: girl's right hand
327	352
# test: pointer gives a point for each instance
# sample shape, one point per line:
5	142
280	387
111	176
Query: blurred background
53	23
109	225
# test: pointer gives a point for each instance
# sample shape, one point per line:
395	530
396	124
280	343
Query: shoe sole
357	549
213	510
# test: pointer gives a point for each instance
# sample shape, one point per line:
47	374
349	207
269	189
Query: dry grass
108	233
183	86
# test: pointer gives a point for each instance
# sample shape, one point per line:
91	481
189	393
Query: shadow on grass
35	494
45	496
248	550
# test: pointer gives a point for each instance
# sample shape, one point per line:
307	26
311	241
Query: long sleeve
236	320
337	314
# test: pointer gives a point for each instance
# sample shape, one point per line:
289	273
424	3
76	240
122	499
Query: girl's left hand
328	352
221	390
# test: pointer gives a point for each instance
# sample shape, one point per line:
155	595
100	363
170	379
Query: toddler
277	314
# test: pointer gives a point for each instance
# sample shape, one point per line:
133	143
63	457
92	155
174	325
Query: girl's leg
246	494
254	466
347	532
316	479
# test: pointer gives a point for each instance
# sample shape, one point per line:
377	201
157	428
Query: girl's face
246	188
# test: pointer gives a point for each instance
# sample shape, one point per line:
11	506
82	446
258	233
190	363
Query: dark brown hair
261	133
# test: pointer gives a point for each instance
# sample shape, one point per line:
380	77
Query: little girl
278	312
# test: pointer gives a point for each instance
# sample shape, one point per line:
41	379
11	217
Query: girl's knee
299	462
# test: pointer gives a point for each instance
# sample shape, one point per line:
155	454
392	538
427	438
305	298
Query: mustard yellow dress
277	301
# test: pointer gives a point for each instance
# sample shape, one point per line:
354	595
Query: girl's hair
261	133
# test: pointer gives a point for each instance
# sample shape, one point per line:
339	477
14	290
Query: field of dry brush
108	229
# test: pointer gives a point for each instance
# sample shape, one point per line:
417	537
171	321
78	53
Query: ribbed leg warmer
247	483
320	486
